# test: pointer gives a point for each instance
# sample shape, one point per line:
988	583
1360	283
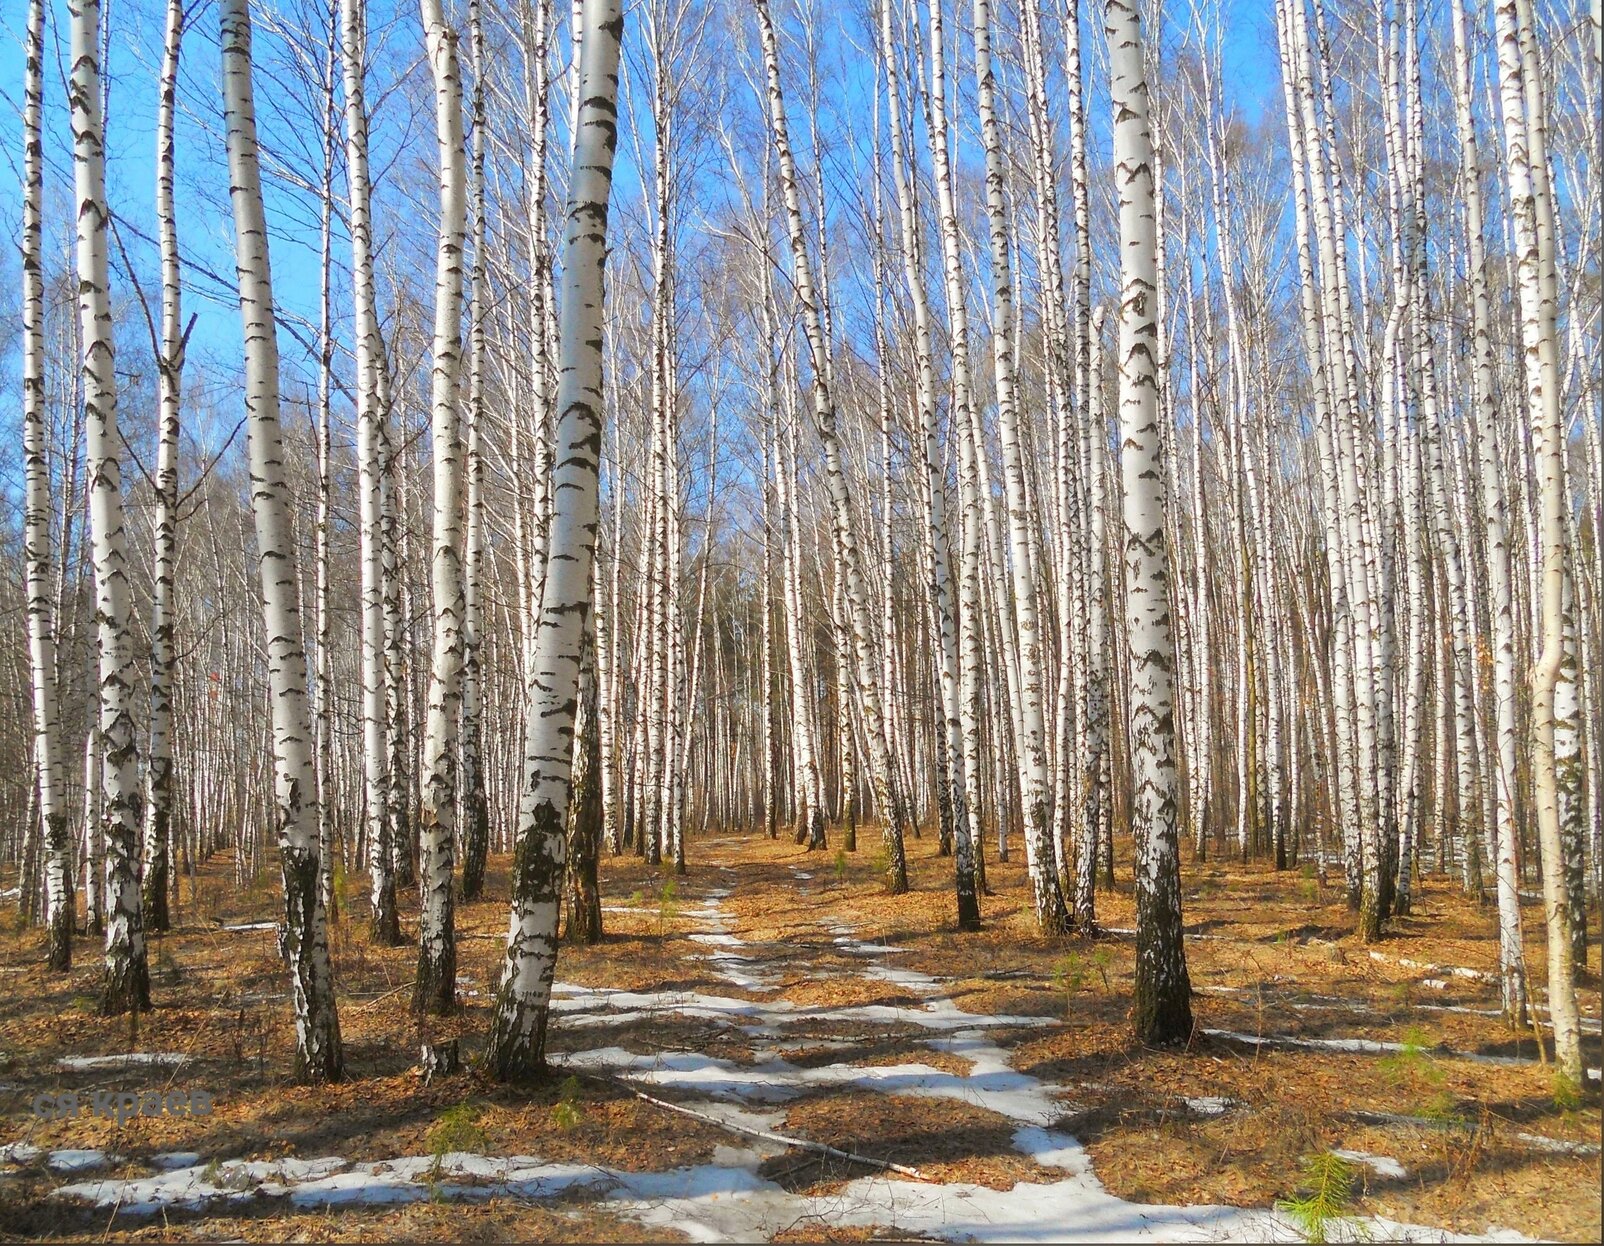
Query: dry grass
1279	958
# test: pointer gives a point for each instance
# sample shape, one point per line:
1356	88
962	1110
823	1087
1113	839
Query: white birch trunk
1162	1011
1096	798
518	1032
370	417
958	662
1522	115
323	693
1511	958
1051	915
169	374
303	938
886	801
435	987
127	981
49	766
474	807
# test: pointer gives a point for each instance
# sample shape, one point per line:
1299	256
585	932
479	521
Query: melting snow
1559	1146
991	1084
727	1199
730	1201
1368	1046
1453	971
1381	1165
78	1161
84	1064
63	1161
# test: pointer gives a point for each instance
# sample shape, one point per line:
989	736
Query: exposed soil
1226	1121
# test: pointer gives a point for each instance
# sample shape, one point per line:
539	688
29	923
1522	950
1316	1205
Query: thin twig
1536	1024
818	1147
386	995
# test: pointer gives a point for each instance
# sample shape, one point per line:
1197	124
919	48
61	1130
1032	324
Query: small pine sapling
667	906
1103	960
1070	976
1322	1198
455	1129
566	1112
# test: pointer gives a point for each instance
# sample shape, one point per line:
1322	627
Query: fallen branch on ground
385	995
1538	1142
786	1139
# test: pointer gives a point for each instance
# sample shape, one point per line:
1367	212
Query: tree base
126	988
435	992
60	941
1164	1024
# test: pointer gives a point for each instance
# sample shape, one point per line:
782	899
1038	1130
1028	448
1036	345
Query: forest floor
776	991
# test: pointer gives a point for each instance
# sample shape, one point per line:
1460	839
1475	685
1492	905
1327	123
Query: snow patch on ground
1558	1146
744	972
64	1161
1453	971
1366	1046
70	1161
728	1199
133	1059
591	1006
1381	1165
991	1084
855	947
331	1181
1319	1003
733	968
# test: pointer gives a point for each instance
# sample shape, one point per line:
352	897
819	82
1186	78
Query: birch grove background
1101	434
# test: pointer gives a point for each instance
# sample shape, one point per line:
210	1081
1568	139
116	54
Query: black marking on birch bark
517	1049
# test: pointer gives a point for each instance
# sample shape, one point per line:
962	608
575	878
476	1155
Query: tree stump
440	1060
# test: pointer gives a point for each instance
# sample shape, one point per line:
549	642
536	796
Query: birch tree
1511	956
1051	915
127	981
49	772
1162	1011
888	805
369	352
958	657
303	937
475	811
169	375
518	1031
435	990
1521	98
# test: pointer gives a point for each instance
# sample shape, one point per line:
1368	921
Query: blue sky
399	133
